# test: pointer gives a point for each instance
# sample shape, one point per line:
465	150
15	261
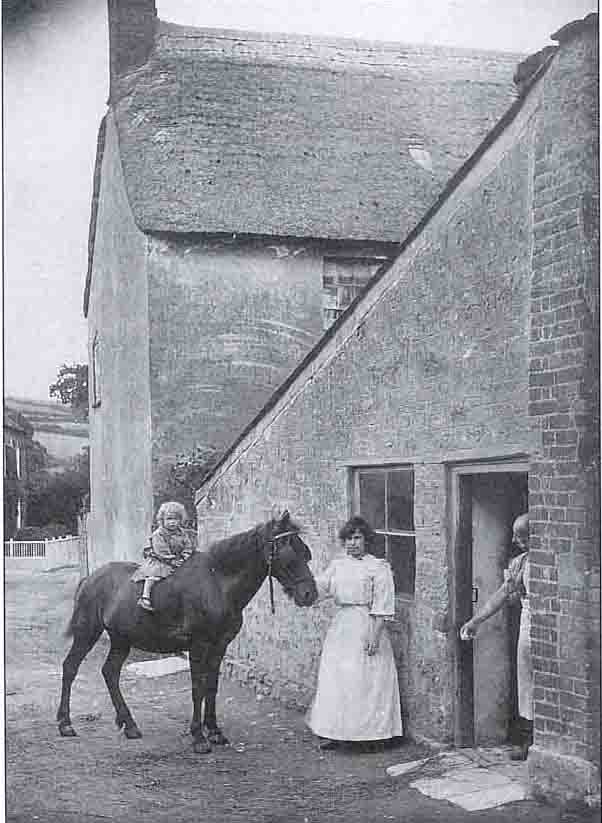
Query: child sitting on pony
170	545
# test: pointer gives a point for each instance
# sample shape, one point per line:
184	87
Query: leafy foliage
57	499
10	496
71	388
182	479
34	461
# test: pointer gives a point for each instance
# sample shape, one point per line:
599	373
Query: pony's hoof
132	733
67	730
201	747
217	737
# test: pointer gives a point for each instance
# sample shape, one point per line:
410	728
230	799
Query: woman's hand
468	630
373	636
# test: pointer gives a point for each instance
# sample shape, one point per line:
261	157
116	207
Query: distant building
55	427
247	187
17	443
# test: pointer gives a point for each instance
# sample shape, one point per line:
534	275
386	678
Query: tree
181	480
34	461
58	500
71	388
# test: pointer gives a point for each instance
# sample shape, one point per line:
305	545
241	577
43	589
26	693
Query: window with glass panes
342	281
385	498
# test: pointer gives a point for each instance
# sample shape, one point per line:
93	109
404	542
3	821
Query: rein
271	557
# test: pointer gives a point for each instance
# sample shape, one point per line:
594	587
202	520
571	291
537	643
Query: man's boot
523	739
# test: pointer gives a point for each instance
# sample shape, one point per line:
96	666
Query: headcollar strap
272	542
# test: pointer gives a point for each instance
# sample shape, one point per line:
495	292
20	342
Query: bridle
271	557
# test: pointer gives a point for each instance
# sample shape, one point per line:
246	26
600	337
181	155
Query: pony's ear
280	513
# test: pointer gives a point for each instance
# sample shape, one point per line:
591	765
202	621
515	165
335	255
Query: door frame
459	480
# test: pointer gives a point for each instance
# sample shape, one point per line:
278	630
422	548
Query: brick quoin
564	468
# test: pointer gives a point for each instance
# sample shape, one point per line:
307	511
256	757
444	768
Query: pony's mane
228	551
231	552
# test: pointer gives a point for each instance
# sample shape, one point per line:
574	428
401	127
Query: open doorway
486	498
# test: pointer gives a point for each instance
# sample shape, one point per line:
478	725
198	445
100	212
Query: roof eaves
575	27
451	186
17	422
100	147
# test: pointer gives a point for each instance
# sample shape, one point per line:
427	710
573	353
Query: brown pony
197	609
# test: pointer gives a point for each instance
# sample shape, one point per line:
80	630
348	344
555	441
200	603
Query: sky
55	86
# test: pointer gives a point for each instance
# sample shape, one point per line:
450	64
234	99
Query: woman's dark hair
358	523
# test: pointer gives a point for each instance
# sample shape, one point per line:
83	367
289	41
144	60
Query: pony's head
288	558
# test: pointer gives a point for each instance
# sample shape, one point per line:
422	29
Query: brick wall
563	408
431	367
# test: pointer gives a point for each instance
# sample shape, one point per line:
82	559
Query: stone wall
564	412
132	26
229	320
119	426
430	368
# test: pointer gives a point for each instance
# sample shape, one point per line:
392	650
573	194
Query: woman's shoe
519	752
145	603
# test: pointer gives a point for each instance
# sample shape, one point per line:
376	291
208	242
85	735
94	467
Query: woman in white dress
357	696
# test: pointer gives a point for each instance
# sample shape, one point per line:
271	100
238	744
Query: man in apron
515	587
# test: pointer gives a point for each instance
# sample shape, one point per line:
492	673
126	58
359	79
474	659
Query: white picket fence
58	551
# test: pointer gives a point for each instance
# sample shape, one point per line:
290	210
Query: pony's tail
69	629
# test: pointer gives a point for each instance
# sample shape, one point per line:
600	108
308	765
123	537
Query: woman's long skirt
357	696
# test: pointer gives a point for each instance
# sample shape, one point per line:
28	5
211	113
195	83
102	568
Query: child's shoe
145	603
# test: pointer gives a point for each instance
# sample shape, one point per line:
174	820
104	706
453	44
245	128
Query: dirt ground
272	772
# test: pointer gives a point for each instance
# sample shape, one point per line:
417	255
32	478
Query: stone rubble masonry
564	415
228	321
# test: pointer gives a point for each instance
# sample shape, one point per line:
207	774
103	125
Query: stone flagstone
472	788
158	668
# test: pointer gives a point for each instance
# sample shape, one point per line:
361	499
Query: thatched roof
224	131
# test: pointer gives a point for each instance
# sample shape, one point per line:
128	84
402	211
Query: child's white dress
357	696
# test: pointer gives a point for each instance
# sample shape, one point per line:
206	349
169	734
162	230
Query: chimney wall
132	25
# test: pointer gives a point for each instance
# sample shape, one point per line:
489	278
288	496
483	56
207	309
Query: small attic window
343	278
421	157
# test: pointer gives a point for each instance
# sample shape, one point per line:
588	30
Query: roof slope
15	421
224	131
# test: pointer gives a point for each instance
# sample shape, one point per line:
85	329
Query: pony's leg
82	643
199	658
212	730
111	671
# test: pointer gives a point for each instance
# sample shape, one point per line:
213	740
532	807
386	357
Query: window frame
344	286
96	398
356	472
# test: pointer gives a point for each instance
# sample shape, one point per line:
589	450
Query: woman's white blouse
365	581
